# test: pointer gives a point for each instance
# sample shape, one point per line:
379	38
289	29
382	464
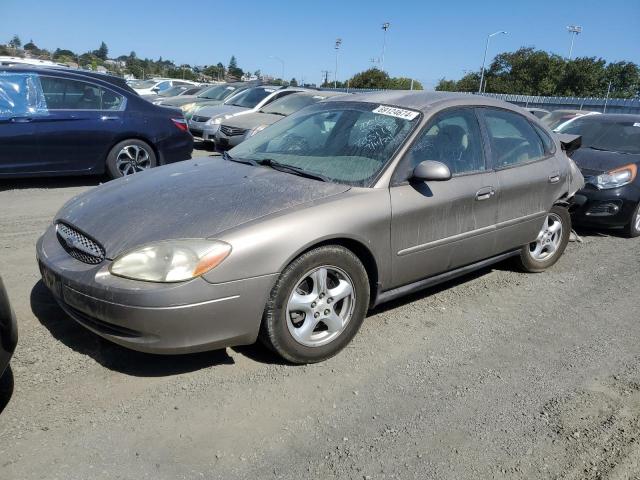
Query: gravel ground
497	375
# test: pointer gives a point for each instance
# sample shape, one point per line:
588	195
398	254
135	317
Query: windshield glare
618	136
291	103
219	92
345	142
251	97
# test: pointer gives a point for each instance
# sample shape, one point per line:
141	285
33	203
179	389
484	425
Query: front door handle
106	118
21	120
485	193
554	177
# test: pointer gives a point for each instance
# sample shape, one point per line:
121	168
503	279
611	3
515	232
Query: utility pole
484	59
385	27
335	76
574	31
606	100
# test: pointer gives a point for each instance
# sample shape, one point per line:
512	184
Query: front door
441	225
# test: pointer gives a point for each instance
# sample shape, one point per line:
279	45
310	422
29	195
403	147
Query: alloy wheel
132	159
320	306
548	240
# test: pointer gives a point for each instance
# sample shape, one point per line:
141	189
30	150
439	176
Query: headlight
214	121
615	178
171	261
187	106
256	130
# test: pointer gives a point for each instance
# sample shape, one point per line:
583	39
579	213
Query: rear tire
328	284
552	240
129	157
632	229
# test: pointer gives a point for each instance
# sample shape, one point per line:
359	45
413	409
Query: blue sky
427	40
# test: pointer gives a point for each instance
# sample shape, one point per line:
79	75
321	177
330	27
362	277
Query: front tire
317	305
632	229
129	157
550	244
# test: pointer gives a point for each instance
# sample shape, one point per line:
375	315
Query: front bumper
202	131
226	142
152	317
605	208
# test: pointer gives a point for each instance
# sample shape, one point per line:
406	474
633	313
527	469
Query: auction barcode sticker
396	112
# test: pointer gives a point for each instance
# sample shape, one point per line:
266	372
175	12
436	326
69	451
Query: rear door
439	226
527	173
84	122
20	103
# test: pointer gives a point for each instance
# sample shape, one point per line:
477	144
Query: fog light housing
604	209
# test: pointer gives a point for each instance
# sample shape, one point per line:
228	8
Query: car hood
252	120
180	100
220	110
192	199
593	162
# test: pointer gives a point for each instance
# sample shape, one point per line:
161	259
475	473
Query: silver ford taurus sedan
296	233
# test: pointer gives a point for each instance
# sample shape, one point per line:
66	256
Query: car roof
612	118
72	73
423	101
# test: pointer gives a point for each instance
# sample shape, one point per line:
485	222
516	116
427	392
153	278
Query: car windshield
291	103
146	84
219	92
251	97
346	142
616	136
173	91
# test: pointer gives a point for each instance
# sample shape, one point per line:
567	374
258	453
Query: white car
158	85
205	122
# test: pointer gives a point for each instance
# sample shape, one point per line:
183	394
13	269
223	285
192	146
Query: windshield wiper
268	162
246	161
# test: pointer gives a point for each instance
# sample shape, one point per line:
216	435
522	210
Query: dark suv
56	121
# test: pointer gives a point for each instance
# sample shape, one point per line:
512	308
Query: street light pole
335	76
574	31
484	59
385	27
281	61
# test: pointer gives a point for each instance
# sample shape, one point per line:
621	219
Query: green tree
403	83
372	78
233	70
31	46
293	82
15	42
102	52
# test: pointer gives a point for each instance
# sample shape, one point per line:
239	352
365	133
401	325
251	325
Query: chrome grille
78	245
199	119
232	131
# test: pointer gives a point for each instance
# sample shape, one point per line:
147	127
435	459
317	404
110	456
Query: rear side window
513	139
67	94
549	145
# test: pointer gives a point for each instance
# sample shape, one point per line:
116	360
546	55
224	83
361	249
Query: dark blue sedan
73	122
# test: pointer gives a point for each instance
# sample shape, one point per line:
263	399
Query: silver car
293	235
205	122
240	127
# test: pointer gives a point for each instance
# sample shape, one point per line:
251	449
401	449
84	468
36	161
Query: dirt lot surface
497	375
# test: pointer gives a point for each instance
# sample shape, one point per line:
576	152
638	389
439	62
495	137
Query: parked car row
322	206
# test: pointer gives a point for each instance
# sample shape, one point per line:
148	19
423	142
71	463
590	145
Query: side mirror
155	89
431	170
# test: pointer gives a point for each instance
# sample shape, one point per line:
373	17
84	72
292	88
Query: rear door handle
554	177
106	118
485	193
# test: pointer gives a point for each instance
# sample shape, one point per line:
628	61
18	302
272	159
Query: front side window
346	142
67	94
219	92
513	139
453	138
